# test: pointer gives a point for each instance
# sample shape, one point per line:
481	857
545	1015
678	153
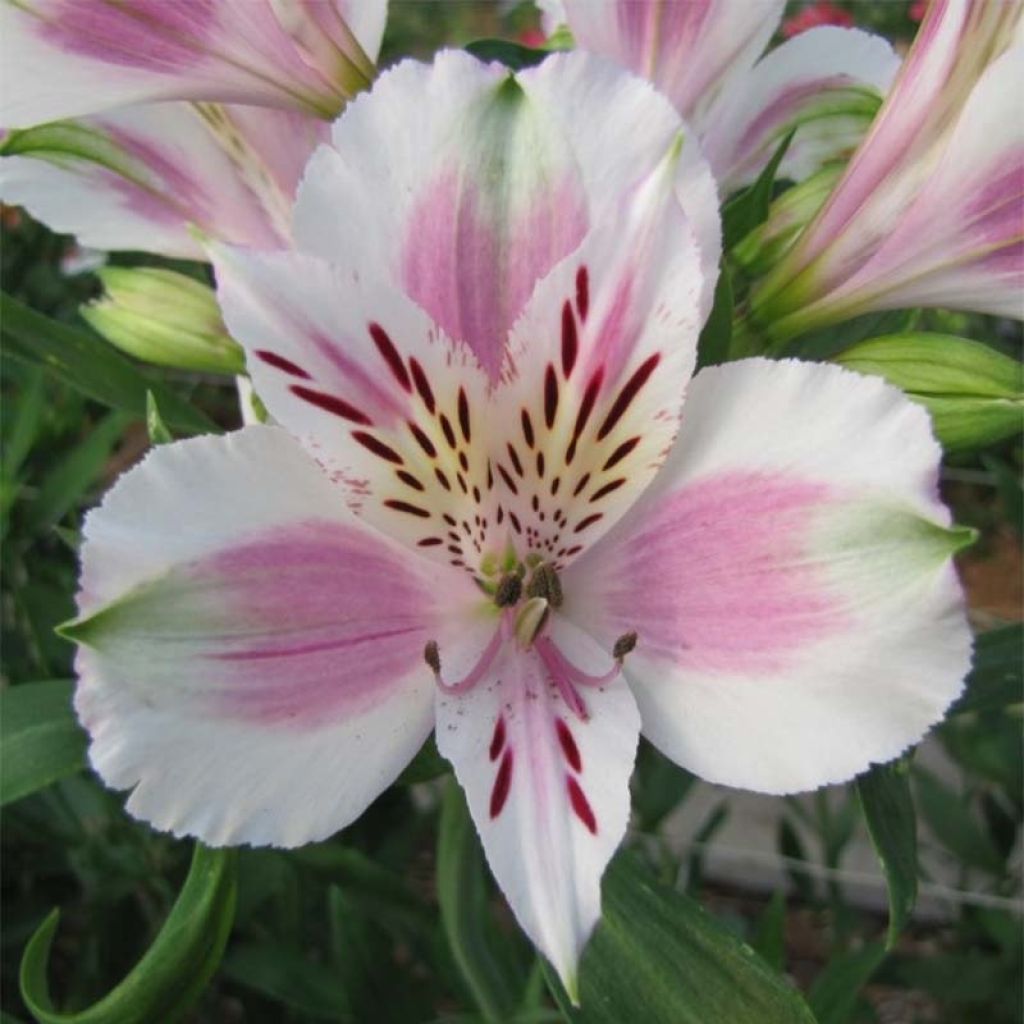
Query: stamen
623	646
545	583
432	656
510	589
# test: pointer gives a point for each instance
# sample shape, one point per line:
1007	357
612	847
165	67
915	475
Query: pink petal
252	656
548	790
797	612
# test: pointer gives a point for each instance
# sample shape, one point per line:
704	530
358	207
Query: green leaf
659	957
171	976
974	394
40	738
284	975
888	807
833	996
462	895
91	366
658	787
996	679
158	430
746	211
951	822
513	55
769	939
67	482
713	346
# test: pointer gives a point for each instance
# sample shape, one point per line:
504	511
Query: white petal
548	791
138	177
826	80
252	656
386	403
790	579
70	58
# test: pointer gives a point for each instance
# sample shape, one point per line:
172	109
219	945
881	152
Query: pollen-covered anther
432	656
530	620
509	590
545	583
623	646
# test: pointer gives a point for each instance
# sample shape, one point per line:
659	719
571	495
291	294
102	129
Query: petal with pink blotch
596	372
394	411
960	244
251	659
465	184
70	58
547	784
798	613
827	83
691	51
139	177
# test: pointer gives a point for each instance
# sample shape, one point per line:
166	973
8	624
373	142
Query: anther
545	583
432	656
530	620
624	645
510	589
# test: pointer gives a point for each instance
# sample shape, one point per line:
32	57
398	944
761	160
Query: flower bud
163	317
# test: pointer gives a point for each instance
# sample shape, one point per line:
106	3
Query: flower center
525	614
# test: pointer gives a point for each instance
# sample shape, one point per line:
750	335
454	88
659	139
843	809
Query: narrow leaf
833	996
89	365
997	676
513	55
462	894
888	807
659	957
713	346
952	823
770	934
158	430
171	976
746	211
40	738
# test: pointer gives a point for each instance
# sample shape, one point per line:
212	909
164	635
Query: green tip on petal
962	537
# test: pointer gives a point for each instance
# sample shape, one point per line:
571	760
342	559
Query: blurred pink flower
823	13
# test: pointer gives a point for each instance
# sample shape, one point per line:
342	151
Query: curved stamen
476	673
575	675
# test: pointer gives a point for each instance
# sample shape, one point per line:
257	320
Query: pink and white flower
477	516
132	173
930	211
704	55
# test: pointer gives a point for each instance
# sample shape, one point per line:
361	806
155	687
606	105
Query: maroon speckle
620	453
331	404
550	396
408	478
582	292
527	429
422	385
442	479
429	542
569	748
515	522
502	784
570	342
422	440
509	482
369	442
627	394
498	739
449	434
404	506
464	414
580	805
386	347
589	521
586	408
540	465
516	464
614	485
280	363
584	480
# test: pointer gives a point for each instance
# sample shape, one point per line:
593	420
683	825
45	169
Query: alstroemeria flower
69	58
703	54
477	516
142	175
930	211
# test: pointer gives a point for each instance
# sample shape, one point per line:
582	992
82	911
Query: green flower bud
163	317
975	395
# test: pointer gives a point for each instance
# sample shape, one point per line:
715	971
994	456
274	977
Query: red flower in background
918	9
823	13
